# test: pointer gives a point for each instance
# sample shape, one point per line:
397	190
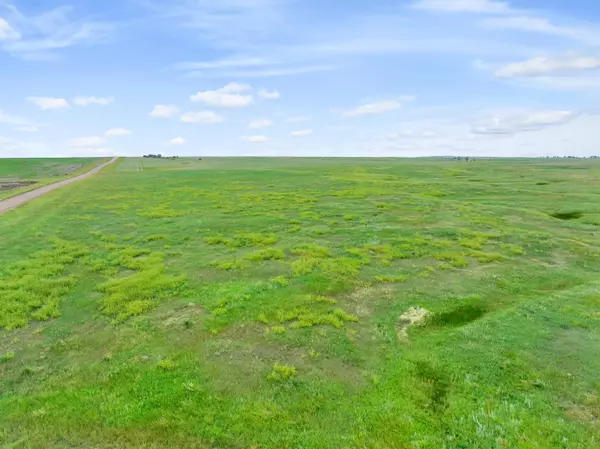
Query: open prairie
304	303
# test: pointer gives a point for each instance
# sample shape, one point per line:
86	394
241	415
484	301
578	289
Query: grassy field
267	303
41	171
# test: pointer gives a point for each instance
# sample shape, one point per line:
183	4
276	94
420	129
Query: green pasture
263	303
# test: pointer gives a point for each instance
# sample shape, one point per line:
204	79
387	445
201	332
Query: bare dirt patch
183	316
5	186
414	316
363	298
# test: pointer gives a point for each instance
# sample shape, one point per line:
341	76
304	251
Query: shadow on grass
572	215
458	317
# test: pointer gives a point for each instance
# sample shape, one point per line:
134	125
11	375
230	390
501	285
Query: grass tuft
266	254
282	373
7	357
166	365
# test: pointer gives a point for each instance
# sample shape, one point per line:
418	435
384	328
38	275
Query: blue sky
300	77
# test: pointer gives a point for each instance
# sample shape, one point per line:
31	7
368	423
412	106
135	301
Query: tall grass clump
141	291
32	289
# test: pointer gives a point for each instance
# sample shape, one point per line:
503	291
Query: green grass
40	172
239	303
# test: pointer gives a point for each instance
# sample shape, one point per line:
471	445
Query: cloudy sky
300	77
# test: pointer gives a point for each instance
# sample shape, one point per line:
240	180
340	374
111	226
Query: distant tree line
160	156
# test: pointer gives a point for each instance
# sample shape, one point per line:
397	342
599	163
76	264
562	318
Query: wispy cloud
281	48
255	139
24	148
564	83
260	123
262	69
233	95
545	65
225	23
39	37
301	133
204	117
267	94
28	129
117	132
297	119
471	6
176	141
542	25
226	63
512	122
14	120
280	71
378	107
86	142
87	101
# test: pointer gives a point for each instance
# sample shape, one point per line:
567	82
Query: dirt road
18	200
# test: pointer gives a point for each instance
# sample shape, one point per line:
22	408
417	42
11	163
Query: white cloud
86	101
45	103
117	132
260	123
15	120
164	111
230	96
302	133
472	6
378	107
297	119
202	117
7	32
255	139
28	129
40	37
265	94
543	65
177	141
510	123
86	142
